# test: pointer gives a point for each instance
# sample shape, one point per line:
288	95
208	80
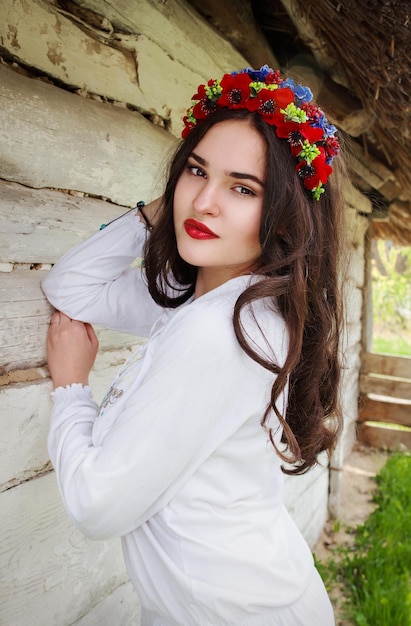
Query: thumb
91	334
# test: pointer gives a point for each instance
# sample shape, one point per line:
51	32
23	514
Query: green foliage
395	345
391	284
376	572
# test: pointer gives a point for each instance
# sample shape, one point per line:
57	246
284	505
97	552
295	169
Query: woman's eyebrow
238	175
198	158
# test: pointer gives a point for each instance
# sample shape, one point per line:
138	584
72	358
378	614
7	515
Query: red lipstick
198	230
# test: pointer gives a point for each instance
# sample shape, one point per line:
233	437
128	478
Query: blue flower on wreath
256	75
301	93
288	82
329	130
321	122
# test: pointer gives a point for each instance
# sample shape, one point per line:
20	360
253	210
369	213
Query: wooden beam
52	138
24	315
341	107
384	438
386	364
310	35
373	172
307	501
52	574
120	607
24	420
175	27
380	213
392	387
39	225
110	49
235	21
385	410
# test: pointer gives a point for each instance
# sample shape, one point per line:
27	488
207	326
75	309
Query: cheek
252	231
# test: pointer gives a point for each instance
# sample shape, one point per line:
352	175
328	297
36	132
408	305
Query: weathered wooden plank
31	374
306	499
373	173
385	410
24	413
176	28
234	19
52	138
309	33
386	364
309	506
342	107
50	573
359	203
384	438
392	387
353	303
24	315
42	36
120	607
38	226
295	486
86	51
353	332
24	420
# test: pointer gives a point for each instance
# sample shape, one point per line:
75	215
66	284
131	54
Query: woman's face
218	203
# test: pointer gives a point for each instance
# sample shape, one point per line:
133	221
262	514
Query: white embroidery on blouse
123	380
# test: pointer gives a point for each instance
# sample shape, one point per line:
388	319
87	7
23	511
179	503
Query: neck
211	278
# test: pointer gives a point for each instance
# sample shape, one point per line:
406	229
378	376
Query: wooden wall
353	277
91	97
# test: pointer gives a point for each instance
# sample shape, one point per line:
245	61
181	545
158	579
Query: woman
239	294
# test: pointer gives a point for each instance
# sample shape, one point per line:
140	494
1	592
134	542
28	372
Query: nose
206	202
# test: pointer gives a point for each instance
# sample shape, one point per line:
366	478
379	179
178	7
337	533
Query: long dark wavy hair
300	240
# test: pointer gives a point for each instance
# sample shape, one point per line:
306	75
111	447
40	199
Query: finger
64	319
55	318
91	334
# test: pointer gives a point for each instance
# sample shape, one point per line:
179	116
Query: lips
198	230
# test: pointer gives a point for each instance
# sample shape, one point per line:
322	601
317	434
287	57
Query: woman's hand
71	350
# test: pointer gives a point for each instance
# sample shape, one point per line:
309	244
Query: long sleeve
199	389
94	282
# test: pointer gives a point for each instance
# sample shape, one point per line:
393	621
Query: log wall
91	97
353	279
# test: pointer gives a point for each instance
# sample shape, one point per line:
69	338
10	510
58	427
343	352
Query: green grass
395	345
375	573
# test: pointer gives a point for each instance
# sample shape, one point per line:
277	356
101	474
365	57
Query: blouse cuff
75	391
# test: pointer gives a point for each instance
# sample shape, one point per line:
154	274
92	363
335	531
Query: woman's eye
195	170
245	191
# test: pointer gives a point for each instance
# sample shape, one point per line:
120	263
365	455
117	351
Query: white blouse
175	460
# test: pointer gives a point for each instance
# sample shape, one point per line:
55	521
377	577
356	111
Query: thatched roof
355	54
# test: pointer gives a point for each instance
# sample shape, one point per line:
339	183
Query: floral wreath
281	103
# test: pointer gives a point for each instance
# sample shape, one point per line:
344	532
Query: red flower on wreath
315	173
204	108
236	91
273	78
268	103
201	90
332	147
313	112
296	133
188	127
